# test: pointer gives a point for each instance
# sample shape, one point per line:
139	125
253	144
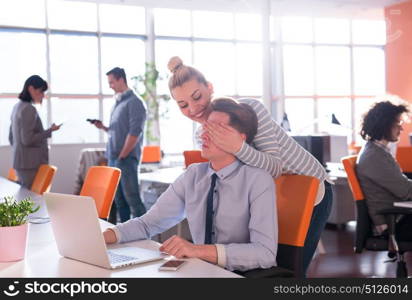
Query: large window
225	47
176	130
172	22
6	107
209	24
340	108
337	65
369	71
122	19
248	27
297	30
217	62
325	65
122	52
298	70
33	14
362	105
72	113
248	71
332	70
16	64
70	15
73	64
81	42
165	49
300	112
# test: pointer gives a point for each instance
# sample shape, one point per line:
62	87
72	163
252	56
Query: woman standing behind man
273	150
27	136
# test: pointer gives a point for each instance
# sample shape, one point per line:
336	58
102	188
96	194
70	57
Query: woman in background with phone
27	136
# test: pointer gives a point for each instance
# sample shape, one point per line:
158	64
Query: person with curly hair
380	176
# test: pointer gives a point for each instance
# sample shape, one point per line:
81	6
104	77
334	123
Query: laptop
78	234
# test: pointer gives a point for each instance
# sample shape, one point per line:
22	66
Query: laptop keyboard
118	258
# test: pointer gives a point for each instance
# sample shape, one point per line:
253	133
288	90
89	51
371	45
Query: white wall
64	156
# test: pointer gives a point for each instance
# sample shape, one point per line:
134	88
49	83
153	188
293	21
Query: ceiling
326	8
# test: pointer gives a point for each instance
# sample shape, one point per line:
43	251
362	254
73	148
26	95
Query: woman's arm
27	130
10	136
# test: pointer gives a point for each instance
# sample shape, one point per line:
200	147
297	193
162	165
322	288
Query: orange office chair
404	158
353	148
294	206
101	184
12	176
357	149
151	154
43	180
364	238
193	156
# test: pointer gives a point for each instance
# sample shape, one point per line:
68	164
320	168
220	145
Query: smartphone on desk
171	265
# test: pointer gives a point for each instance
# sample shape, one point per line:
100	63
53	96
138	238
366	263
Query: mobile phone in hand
172	265
92	120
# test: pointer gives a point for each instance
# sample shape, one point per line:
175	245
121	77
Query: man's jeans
127	197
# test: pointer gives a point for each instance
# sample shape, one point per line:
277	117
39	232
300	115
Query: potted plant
13	227
146	85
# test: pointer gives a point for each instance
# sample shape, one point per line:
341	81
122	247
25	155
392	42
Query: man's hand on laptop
109	236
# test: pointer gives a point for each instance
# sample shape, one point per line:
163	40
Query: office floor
340	260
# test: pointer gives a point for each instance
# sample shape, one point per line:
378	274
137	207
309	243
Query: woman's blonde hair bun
174	63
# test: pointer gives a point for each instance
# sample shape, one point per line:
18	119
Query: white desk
343	206
43	260
163	176
10	188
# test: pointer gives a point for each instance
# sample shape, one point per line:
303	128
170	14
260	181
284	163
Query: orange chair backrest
357	149
193	156
151	154
296	195
349	163
43	179
101	184
404	158
12	175
353	148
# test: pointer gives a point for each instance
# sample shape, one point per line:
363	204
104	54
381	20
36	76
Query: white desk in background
152	185
43	260
343	206
163	175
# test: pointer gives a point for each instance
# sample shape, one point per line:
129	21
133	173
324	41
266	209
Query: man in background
124	145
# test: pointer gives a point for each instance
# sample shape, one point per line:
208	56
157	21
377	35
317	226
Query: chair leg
401	269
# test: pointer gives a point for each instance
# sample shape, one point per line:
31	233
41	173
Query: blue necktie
209	211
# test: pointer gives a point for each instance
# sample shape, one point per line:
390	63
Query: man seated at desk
379	174
230	206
